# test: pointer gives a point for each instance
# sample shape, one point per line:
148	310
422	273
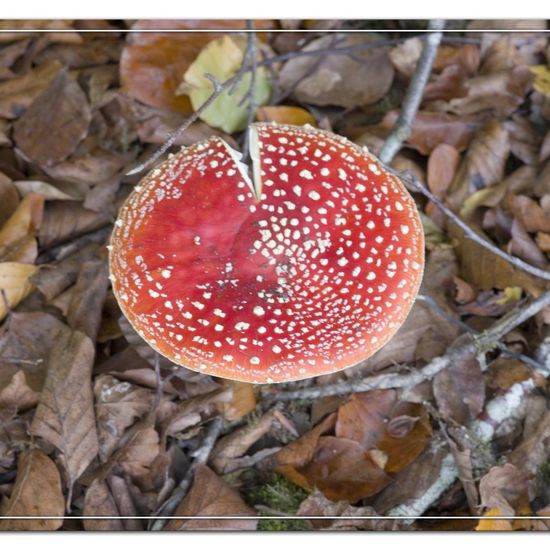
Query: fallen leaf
236	444
542	79
48	190
525	142
152	63
524	247
54	124
494	524
504	487
342	469
466	56
285	114
138	457
529	213
9	198
85	309
464	292
449	84
501	55
24	222
16	395
222	58
117	406
211	496
298	453
459	390
431	129
65	220
37	492
242	402
532	453
405	56
111	499
338	80
18	93
14	284
504	372
442	166
342	516
486	271
65	415
483	164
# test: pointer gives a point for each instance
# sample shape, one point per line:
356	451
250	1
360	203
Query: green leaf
222	58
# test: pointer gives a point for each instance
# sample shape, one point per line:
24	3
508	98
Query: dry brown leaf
529	213
501	55
299	452
16	395
449	84
442	166
110	498
285	114
525	142
534	451
338	80
459	390
51	280
236	444
482	268
96	52
138	457
464	292
64	220
543	241
351	517
504	372
524	247
9	198
24	222
55	123
117	406
405	56
466	56
37	492
14	284
48	190
505	487
18	93
211	496
343	470
89	292
65	415
431	129
242	401
500	93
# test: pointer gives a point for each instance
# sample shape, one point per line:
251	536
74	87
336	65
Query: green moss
275	493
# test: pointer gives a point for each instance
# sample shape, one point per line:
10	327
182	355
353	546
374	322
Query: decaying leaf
442	166
211	496
118	405
37	492
222	59
405	56
65	415
505	487
15	393
54	124
459	390
14	284
138	457
242	401
339	80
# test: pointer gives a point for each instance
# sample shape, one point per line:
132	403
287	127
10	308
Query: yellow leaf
511	294
285	114
542	78
494	524
14	284
222	59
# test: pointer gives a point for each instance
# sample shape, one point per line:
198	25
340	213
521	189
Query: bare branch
402	129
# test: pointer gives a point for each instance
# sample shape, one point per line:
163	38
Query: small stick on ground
200	457
402	129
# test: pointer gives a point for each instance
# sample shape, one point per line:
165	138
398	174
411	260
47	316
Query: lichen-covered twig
402	129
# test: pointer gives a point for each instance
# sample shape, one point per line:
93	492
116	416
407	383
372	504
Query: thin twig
396	380
402	129
250	96
200	457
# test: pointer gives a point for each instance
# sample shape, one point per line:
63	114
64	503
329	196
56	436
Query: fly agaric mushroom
306	269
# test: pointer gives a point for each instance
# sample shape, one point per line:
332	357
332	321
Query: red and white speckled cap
308	269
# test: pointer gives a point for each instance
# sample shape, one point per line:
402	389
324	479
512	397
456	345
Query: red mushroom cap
307	270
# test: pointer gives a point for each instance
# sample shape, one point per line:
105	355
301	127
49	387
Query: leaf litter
94	423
